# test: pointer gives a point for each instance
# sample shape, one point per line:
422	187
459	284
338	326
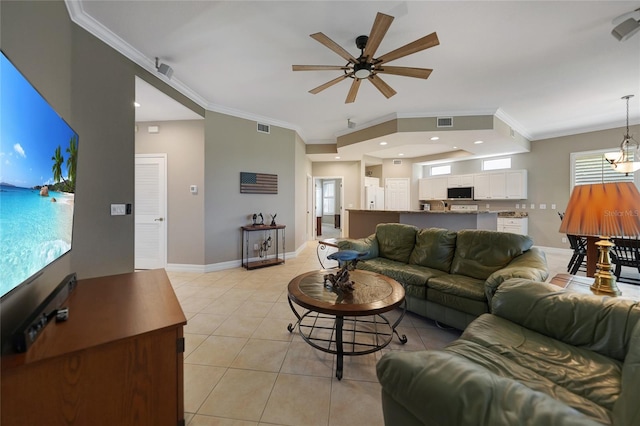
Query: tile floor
242	366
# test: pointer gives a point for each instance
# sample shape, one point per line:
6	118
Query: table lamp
603	210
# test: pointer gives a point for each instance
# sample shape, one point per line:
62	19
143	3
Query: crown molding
95	28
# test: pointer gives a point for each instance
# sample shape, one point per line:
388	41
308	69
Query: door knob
160	219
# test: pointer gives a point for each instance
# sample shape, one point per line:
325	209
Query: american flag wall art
258	183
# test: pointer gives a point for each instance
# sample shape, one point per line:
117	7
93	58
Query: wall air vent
397	162
445	122
264	128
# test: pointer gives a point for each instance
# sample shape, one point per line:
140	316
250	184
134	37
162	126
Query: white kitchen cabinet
481	189
459	181
371	181
434	188
515	225
501	185
516	185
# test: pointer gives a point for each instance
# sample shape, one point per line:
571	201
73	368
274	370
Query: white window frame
440	170
328	197
496	164
605	169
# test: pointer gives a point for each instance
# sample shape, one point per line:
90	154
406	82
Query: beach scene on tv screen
38	157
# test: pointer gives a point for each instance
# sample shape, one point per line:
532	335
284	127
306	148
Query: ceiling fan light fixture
626	29
362	70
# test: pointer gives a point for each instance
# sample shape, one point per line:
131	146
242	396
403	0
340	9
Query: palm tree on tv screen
72	161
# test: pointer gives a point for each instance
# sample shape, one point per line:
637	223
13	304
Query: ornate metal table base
346	335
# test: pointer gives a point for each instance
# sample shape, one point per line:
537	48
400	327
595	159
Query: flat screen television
38	158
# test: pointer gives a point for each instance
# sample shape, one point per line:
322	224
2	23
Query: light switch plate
118	209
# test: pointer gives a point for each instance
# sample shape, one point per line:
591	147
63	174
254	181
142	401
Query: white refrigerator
374	198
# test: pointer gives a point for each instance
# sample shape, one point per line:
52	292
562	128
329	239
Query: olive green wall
232	145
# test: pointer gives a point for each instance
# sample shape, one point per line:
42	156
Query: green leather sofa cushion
581	378
462	304
412	277
443	389
603	325
479	253
626	410
396	240
434	248
459	285
368	244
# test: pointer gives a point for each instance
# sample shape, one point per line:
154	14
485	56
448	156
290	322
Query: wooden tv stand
117	360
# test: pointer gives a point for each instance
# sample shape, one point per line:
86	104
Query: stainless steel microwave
460	193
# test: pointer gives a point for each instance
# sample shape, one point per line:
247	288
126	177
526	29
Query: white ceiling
545	68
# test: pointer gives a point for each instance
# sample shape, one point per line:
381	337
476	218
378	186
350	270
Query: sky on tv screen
35	229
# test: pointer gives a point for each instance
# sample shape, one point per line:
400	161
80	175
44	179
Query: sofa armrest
531	265
368	244
600	324
443	389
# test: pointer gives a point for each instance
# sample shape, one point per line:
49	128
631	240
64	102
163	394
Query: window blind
594	168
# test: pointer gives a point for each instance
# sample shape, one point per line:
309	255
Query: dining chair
579	246
626	252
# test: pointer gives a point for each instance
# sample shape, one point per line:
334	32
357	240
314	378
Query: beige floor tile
192	341
195	303
254	308
238	326
202	379
240	394
262	355
360	367
219	351
306	360
281	310
299	400
355	403
203	323
264	295
200	420
273	329
223	306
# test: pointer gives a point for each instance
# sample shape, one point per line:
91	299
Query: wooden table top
583	285
373	294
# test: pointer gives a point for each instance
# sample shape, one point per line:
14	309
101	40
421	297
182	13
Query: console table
117	360
262	246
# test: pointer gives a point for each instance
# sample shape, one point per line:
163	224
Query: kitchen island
362	223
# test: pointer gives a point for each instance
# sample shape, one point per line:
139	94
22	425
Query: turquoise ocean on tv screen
35	231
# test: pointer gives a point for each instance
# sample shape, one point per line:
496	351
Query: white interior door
397	194
150	211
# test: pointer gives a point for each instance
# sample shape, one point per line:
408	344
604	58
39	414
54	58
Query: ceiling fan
367	66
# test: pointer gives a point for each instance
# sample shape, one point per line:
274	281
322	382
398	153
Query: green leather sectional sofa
448	276
544	356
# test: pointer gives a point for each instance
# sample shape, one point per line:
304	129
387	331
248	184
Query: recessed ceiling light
383	143
455	147
135	104
337	157
478	142
434	138
400	154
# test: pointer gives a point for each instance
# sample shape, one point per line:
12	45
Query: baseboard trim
556	250
213	267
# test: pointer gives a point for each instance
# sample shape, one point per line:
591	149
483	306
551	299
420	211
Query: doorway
328	208
151	211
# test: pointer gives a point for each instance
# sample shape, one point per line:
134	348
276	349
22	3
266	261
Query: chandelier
625	160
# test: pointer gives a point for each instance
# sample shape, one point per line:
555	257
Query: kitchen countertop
500	213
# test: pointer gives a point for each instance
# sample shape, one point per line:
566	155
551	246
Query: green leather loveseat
544	356
448	276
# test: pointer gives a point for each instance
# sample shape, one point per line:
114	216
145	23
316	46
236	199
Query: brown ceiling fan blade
378	31
413	47
353	92
318	67
383	87
406	71
334	46
328	84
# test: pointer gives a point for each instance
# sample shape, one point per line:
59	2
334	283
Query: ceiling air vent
263	128
397	162
445	122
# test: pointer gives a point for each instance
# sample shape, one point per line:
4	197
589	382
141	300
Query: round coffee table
344	323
